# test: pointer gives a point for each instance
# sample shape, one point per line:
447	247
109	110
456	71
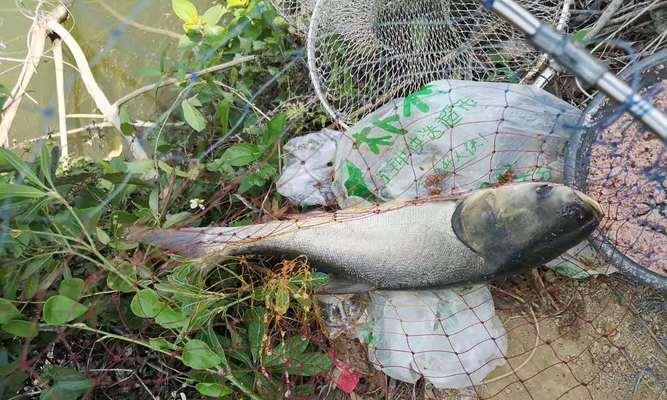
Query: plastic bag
308	168
452	137
451	337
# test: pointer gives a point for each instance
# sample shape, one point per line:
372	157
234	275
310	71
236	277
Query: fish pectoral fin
338	285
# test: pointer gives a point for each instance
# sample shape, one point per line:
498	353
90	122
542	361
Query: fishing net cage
296	12
619	162
363	53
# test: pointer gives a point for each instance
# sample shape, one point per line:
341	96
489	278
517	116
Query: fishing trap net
296	12
622	165
363	53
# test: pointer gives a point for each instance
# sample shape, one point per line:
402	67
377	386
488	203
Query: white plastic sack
451	337
308	168
452	137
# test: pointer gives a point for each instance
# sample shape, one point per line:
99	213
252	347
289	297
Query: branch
60	92
173	81
37	34
109	111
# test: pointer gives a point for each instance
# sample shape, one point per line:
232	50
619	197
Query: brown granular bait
627	177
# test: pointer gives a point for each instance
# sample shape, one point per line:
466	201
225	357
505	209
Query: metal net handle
581	63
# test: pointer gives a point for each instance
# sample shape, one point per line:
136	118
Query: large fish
412	245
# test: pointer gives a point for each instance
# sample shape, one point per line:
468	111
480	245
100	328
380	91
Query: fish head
524	224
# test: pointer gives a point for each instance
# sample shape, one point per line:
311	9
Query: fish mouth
594	205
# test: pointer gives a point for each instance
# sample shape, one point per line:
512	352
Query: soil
603	338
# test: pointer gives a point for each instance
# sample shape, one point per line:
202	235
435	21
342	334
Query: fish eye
543	191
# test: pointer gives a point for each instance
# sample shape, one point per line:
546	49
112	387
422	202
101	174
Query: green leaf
212	15
125	122
45	163
286	351
8	311
238	3
102	236
255	331
223	116
139	167
267	171
8	157
8	191
176	219
251	181
274	130
309	364
213	389
124	280
197	355
570	270
580	35
209	336
193	117
315	280
241	154
153	202
67	384
17	327
184	10
281	300
170	318
161	344
60	310
71	287
146	304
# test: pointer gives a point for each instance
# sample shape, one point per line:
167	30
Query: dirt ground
601	338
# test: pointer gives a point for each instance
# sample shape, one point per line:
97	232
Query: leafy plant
67	269
257	163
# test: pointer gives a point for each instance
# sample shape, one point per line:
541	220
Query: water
119	55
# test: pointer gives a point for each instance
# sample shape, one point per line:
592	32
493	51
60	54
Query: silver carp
411	244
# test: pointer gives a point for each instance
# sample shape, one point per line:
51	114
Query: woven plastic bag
452	137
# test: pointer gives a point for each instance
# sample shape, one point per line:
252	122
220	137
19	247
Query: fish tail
189	242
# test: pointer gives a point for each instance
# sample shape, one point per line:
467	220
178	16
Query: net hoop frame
540	63
576	166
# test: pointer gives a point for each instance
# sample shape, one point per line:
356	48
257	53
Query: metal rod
580	62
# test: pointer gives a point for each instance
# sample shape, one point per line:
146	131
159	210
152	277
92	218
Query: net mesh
576	329
296	12
363	54
622	163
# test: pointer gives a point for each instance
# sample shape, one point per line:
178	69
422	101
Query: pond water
120	50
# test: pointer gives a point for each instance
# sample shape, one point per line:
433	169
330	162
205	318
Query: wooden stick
110	112
37	34
60	92
173	81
